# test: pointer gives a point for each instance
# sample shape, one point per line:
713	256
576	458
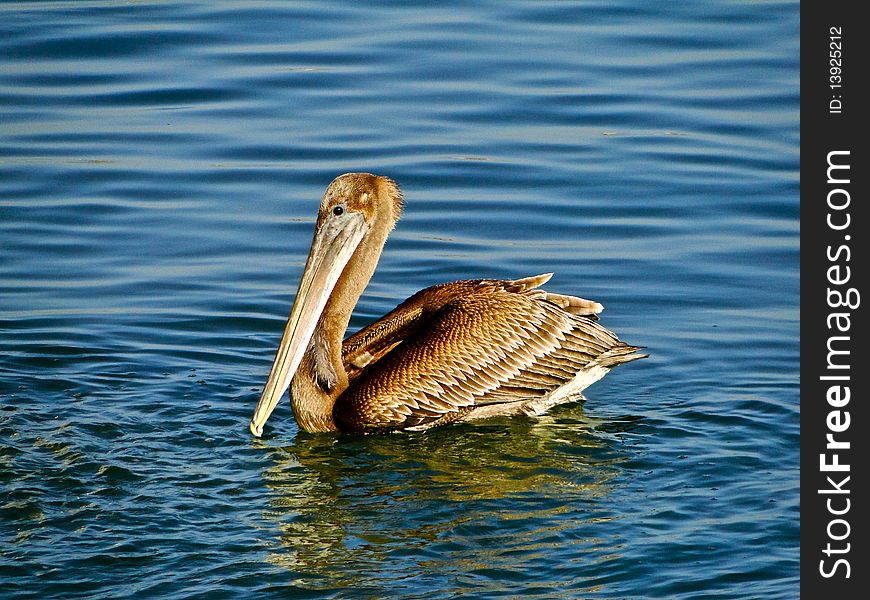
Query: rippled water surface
160	166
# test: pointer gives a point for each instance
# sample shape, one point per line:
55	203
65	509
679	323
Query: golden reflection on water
348	506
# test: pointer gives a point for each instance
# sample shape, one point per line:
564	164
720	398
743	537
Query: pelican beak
335	241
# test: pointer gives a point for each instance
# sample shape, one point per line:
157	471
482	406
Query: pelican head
356	214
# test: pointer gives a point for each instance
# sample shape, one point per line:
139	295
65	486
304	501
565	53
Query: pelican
453	352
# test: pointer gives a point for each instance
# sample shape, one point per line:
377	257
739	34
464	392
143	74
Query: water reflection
346	504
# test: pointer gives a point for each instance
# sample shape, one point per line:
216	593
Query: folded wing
454	347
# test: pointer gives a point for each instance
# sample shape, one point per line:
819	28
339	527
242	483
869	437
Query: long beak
334	243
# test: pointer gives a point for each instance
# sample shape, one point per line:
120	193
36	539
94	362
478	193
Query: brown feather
459	345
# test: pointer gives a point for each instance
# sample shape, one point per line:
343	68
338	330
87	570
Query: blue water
160	166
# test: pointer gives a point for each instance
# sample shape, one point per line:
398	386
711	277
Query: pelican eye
338	210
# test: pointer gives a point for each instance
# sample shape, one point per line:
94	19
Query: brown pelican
452	352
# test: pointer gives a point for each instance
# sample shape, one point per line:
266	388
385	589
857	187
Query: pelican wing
371	343
468	344
374	341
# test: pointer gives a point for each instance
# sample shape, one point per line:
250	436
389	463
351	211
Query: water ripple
161	164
